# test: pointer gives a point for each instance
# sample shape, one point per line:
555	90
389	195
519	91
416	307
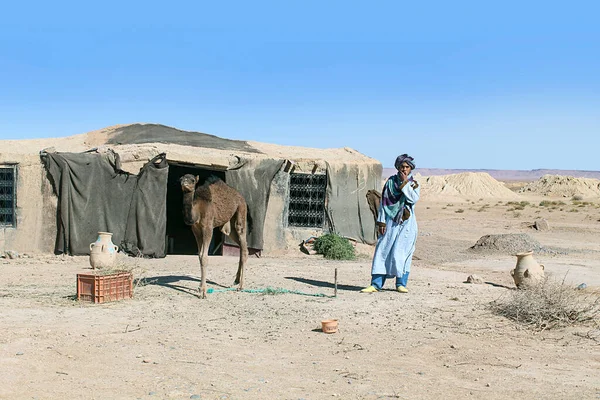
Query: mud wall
346	199
35	230
279	237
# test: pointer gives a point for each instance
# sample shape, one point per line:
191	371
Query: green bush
547	203
334	247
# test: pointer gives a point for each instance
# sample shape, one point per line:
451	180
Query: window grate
307	200
7	196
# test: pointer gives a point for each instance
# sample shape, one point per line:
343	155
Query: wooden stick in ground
335	286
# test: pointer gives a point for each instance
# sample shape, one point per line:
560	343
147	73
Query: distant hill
503	174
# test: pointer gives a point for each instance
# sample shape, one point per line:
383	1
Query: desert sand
439	341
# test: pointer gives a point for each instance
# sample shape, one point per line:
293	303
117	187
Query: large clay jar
103	252
527	270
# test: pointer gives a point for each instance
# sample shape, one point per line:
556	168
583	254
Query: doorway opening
179	237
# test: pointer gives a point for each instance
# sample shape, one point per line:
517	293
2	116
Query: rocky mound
509	243
467	184
564	186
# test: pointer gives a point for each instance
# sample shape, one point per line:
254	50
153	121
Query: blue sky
455	84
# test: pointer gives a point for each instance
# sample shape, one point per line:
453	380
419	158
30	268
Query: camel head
188	183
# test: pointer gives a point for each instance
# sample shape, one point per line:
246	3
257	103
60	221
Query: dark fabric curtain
147	220
94	195
253	180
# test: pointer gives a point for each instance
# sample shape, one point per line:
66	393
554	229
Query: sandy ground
440	341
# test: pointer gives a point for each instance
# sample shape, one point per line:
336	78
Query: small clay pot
329	326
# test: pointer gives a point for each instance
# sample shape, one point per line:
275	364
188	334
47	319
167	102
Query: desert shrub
548	203
549	304
334	247
460	210
577	197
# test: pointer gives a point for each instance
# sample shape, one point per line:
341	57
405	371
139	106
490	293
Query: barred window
7	196
307	200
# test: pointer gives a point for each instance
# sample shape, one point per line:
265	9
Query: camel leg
203	236
240	230
233	235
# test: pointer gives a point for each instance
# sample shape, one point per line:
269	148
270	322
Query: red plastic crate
104	288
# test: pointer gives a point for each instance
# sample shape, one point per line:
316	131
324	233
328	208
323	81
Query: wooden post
335	287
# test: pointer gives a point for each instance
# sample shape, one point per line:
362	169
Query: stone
11	254
508	243
476	279
541	224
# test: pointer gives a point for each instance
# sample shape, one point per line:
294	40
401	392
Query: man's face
404	169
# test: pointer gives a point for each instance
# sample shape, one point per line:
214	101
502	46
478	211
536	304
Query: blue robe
394	250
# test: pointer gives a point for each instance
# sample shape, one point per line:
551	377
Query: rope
268	290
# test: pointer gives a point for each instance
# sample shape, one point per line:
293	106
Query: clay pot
527	270
103	252
329	325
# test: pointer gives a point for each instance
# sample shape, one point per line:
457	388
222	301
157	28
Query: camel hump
204	192
214	189
213	179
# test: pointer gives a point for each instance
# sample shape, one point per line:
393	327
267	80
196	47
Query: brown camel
212	205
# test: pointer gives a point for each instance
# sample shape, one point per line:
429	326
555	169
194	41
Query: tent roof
160	138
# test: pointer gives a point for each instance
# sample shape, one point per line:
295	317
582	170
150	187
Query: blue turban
404	158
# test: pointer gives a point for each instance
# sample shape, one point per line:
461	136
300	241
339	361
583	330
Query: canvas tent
124	179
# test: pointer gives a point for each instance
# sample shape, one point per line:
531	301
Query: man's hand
403	175
381	230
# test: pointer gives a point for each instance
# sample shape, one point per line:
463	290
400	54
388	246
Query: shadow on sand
324	284
169	281
498	285
491	284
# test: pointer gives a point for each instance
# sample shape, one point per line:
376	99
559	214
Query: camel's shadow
169	281
324	284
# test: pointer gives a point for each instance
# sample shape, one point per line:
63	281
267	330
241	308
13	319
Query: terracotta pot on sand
329	325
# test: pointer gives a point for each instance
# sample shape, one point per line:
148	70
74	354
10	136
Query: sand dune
466	184
564	186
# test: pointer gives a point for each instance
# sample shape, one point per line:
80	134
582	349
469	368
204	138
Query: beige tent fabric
348	211
253	180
